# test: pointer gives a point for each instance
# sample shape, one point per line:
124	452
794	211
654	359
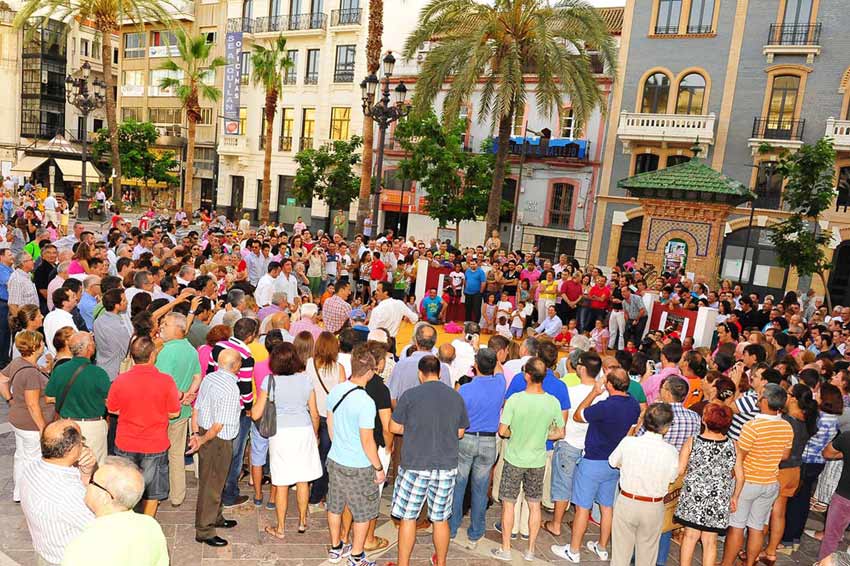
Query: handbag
267	425
127	363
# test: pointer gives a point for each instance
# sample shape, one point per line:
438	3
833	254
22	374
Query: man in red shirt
144	399
600	297
570	297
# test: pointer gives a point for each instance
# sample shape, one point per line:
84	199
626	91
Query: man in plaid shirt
22	290
336	310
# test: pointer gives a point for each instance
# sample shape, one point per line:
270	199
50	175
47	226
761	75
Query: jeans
231	485
635	331
319	488
473	307
5	334
476	454
664	548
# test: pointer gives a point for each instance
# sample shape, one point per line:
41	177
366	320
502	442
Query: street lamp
85	96
384	113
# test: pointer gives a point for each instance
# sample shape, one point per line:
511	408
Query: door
839	278
237	194
207	193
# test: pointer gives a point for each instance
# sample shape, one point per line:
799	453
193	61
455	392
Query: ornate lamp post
383	113
85	96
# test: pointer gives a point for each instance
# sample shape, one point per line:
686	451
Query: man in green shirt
84	402
117	535
529	419
179	359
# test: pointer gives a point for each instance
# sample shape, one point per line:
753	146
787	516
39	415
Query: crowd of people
267	357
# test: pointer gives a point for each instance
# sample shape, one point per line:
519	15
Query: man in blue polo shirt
477	451
548	352
475	278
595	480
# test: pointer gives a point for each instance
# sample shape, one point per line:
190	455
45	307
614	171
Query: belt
88	420
641	497
481	433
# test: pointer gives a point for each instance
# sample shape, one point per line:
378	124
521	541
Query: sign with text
232	82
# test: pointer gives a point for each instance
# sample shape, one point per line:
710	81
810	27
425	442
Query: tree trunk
265	200
194	200
373	63
494	204
826	295
111	118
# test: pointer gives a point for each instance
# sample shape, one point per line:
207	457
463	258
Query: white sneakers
565	553
501	554
594	547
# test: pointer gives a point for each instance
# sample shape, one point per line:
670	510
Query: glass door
783	104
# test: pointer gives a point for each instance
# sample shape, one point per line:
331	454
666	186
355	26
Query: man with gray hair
405	374
57	281
185	276
178	358
235	303
118	535
527	350
142	283
22	290
278	303
89	299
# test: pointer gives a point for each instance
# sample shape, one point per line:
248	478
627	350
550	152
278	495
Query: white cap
309	309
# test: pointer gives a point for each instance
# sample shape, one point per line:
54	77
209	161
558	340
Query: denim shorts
564	462
259	447
154	469
594	480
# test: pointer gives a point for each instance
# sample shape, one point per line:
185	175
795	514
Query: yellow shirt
127	538
765	439
548	290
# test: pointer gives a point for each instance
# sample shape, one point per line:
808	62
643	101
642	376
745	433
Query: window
308	126
243	121
285	193
247	9
163	38
552	248
843	188
114	55
312	75
340	122
205	158
567	123
275	8
702	16
41	118
85	47
561	204
782	108
669	12
81	127
207	77
691	94
97	125
344	68
129	113
165	116
646	162
262	144
133	78
797	12
656	91
519	120
96	48
134	45
463	117
209	37
291	73
676	160
245	65
287	123
157	75
768	186
206	117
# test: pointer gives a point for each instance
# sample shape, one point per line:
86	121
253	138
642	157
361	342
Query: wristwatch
381	469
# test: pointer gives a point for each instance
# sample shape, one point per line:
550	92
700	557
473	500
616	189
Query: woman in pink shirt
217	333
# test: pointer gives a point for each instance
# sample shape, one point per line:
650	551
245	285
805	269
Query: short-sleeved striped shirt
765	439
218	402
748	408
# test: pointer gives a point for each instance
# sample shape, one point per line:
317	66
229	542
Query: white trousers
616	328
27	451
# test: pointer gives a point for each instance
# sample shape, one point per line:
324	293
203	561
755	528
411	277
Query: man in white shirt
286	281
142	283
255	263
266	285
465	349
64	300
145	245
50	206
527	350
389	312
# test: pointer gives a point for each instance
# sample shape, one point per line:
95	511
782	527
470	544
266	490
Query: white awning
73	171
25	166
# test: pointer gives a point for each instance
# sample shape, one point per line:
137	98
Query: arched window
691	94
656	91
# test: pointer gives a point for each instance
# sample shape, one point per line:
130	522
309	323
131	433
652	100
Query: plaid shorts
412	487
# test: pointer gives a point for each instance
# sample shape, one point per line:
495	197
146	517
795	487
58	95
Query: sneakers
471	545
498	526
565	553
528	556
501	554
359	560
240	500
337	554
597	549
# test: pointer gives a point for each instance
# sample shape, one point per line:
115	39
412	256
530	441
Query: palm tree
373	63
269	64
108	16
497	44
194	52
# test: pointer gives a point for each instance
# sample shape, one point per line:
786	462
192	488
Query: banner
232	82
668	320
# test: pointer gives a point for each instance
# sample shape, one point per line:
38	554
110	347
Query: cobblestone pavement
249	546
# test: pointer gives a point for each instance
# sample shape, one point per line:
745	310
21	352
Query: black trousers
635	331
473	307
797	511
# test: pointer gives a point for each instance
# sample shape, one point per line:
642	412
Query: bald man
215	423
118	535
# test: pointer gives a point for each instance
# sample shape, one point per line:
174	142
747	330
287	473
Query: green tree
327	173
499	42
196	83
809	175
108	16
458	183
269	66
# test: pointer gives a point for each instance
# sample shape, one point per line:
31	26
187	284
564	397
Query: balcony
233	145
311	79
350	17
272	24
289	78
306	143
636	127
793	39
245	25
558	149
307	22
284	143
467	144
839	131
776	132
344	75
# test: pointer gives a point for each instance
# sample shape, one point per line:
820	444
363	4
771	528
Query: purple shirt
652	385
305	324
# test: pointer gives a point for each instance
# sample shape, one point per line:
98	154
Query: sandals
302	529
380	544
274	532
545	527
767	560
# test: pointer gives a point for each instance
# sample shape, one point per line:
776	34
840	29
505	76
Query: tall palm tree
108	16
194	52
269	65
497	44
373	63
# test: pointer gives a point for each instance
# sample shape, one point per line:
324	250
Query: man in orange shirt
764	442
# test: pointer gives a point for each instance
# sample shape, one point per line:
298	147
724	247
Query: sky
606	3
